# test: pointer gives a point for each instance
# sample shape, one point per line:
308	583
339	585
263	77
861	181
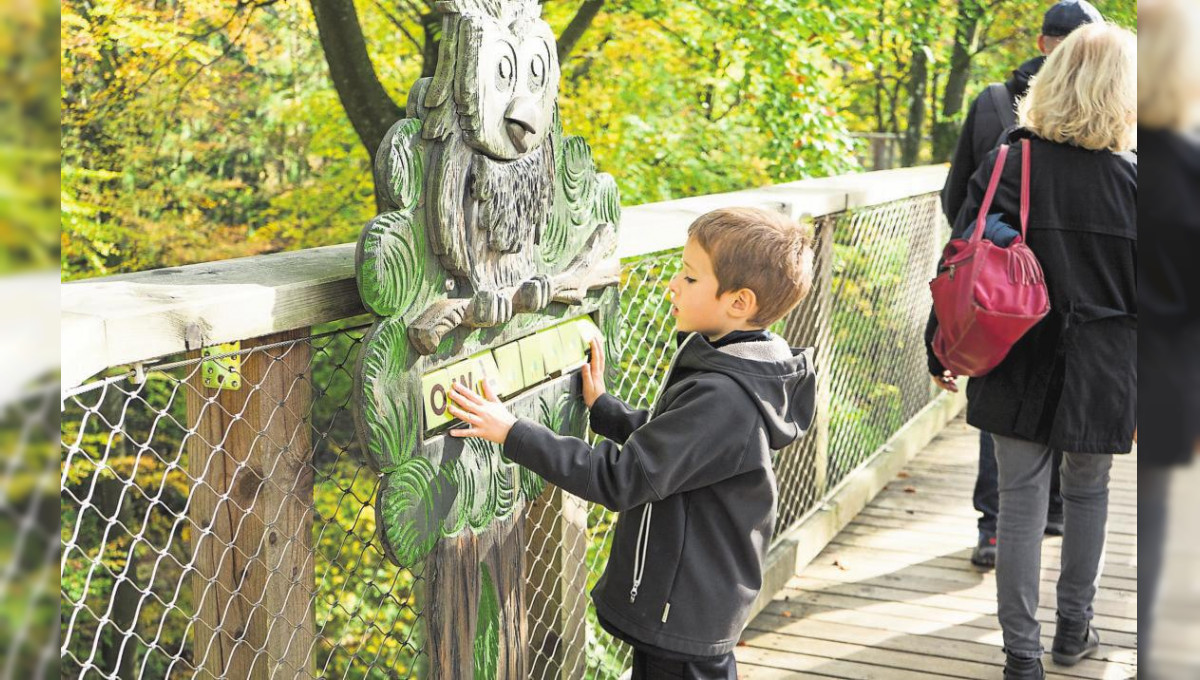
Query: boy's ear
744	304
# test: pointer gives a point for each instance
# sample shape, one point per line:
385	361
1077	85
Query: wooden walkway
894	596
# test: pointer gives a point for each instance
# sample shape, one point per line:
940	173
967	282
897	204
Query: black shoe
984	555
1055	524
1073	641
1017	668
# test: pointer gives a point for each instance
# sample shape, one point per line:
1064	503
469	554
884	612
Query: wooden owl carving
497	225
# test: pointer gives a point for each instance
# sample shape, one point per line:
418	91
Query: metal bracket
224	372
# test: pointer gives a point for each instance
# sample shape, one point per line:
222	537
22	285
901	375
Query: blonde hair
760	250
1086	93
1168	53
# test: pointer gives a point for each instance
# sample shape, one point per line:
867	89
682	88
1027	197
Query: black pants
647	667
987	495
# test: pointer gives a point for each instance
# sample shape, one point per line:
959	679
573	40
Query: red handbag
986	297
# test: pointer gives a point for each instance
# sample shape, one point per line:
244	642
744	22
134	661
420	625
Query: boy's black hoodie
693	481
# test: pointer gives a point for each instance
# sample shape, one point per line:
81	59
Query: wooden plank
794	661
917	587
1115	566
962	582
801	604
1118	576
805	586
117	320
251	514
918	637
874	514
985	630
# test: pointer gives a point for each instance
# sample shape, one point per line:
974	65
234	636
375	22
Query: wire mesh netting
209	533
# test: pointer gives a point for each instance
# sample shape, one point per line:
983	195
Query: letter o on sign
437	399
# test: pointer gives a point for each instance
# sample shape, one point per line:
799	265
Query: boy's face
693	294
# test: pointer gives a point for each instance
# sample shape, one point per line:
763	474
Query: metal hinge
224	372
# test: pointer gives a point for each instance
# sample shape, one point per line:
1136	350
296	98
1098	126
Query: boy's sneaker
1073	641
1017	668
984	555
1055	524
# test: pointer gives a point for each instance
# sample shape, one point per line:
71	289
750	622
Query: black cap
1068	15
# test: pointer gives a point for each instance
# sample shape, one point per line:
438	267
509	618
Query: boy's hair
760	250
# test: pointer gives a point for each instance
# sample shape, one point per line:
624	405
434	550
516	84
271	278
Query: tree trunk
918	80
370	109
579	25
945	132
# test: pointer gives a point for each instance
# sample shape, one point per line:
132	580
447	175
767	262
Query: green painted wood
497	227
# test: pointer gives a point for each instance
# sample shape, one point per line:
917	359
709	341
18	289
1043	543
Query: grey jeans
1024	472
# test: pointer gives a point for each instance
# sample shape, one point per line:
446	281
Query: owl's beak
522	121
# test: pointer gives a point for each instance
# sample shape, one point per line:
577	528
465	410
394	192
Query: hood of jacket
778	378
1018	81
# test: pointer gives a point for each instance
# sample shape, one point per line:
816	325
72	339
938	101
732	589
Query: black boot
1017	668
1073	641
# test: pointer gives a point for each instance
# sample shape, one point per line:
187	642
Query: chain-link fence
232	533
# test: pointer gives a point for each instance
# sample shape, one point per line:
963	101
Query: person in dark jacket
1070	384
991	114
1168	281
692	477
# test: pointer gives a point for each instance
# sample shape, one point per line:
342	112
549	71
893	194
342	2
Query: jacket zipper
642	546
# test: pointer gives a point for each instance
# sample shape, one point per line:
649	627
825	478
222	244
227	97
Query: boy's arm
699	441
613	419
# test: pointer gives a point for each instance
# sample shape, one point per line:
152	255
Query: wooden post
460	571
557	591
251	511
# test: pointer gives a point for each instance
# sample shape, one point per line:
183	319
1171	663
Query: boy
692	477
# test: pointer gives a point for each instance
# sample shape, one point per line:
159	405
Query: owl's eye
506	72
537	69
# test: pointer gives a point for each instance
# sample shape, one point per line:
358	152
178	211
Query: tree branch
398	23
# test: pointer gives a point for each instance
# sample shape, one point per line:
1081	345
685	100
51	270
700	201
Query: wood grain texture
251	517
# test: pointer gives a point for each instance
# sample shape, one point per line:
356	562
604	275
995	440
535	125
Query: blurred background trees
195	131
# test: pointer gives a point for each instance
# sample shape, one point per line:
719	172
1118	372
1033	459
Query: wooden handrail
129	318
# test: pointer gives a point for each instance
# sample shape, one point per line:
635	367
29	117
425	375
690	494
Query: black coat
1071	382
694	483
980	134
1169	298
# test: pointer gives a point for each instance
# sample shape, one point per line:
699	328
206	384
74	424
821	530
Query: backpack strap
1003	103
1026	164
997	171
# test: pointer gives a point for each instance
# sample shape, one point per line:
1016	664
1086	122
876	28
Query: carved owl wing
393	265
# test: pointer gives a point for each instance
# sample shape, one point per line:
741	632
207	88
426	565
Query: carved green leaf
607	208
408	511
487	627
389	398
579	179
400	165
392	259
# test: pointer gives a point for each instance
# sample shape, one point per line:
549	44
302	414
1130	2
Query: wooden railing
252	582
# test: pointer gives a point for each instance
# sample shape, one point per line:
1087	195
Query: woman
1168	276
1070	384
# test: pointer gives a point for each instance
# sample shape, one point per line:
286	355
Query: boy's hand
593	375
946	381
485	416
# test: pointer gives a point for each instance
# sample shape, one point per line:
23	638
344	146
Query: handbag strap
981	220
1026	147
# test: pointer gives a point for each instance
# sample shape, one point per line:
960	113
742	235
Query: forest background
196	131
